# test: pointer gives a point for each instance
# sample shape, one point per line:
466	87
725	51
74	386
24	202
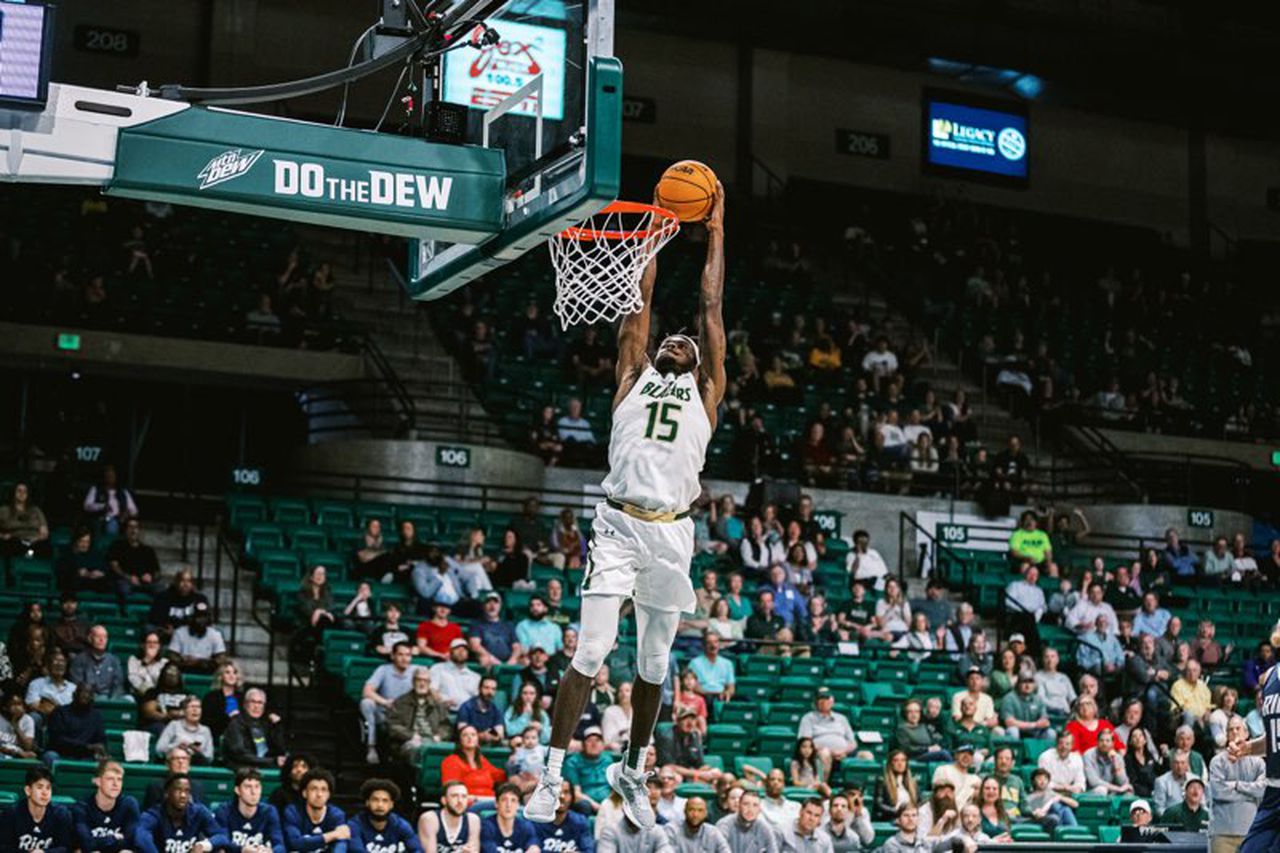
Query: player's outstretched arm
711	309
633	336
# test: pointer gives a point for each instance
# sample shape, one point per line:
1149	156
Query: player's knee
652	666
590	655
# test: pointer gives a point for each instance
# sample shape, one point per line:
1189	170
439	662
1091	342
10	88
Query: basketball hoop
599	263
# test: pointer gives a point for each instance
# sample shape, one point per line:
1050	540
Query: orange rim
660	215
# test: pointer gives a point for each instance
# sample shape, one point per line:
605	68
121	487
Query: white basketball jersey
658	444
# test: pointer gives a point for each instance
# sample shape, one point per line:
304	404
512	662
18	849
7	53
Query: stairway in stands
370	295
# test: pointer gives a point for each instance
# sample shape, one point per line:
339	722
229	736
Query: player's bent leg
596	636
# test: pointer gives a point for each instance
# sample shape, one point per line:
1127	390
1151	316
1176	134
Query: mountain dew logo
227	166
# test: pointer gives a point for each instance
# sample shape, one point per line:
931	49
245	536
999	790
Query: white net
599	263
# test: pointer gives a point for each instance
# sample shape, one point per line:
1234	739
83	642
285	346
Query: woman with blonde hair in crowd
896	787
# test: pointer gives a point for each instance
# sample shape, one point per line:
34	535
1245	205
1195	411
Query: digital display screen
968	137
24	44
483	78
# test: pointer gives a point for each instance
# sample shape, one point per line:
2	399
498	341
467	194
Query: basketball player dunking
1264	834
642	539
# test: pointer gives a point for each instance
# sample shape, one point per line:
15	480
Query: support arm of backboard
530	225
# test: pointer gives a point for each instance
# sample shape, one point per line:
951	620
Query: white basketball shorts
645	560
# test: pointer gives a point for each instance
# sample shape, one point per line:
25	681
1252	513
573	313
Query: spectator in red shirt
469	766
435	634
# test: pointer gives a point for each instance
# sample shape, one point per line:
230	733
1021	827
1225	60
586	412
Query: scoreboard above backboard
26	43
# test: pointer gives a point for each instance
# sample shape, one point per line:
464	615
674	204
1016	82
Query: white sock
555	759
641	757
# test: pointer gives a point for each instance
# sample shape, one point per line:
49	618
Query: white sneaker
632	787
371	756
544	800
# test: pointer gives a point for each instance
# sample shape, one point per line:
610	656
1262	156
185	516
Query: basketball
688	189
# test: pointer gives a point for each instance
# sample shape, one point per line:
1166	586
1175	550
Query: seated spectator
1190	813
920	741
505	830
357	615
918	641
1151	619
774	805
977	655
567	540
537	672
133	562
1053	687
1184	740
384	637
452	680
98	668
315	602
1023	713
172	608
292	772
254	738
1064	765
893	611
1122	595
1218	562
935	606
1169	786
24	531
586	771
908	837
436	635
76	730
1225	702
470	767
864	563
432	580
995	821
1206	649
1005	676
1255	667
537	630
788	602
198	646
493	639
417	718
968	729
574	432
263	319
1099	652
985	710
1139	766
384	686
1189	697
1085	725
189	733
470	567
108	504
224	700
526	710
70	632
144	667
896	787
177	816
1026	598
766	626
162	704
1131	713
482	713
1177	557
715	673
959	774
1030	544
1104	771
1083	618
49	692
317	824
1237	785
1010	468
545	437
371	561
17	728
1048	807
829	729
82	568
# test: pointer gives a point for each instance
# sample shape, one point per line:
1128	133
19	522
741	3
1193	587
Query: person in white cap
642	542
1139	813
451	678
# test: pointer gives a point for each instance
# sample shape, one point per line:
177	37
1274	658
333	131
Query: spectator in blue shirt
537	630
378	828
1100	652
788	603
568	832
1177	556
715	673
482	713
1151	618
493	639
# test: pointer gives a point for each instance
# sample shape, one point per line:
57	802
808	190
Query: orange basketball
688	190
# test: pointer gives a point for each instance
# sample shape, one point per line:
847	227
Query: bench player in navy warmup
1264	834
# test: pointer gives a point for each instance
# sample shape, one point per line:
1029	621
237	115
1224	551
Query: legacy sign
316	173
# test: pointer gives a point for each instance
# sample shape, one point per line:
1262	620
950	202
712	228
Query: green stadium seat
796	689
814	669
290	511
763	763
786	714
850	668
334	561
727	738
386	513
335	514
304	537
13	771
262	535
769	666
1074	833
423	518
1094	810
753	689
1028	832
117	712
740	714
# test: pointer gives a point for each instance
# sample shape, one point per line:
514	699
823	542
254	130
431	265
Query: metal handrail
904	520
374	353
